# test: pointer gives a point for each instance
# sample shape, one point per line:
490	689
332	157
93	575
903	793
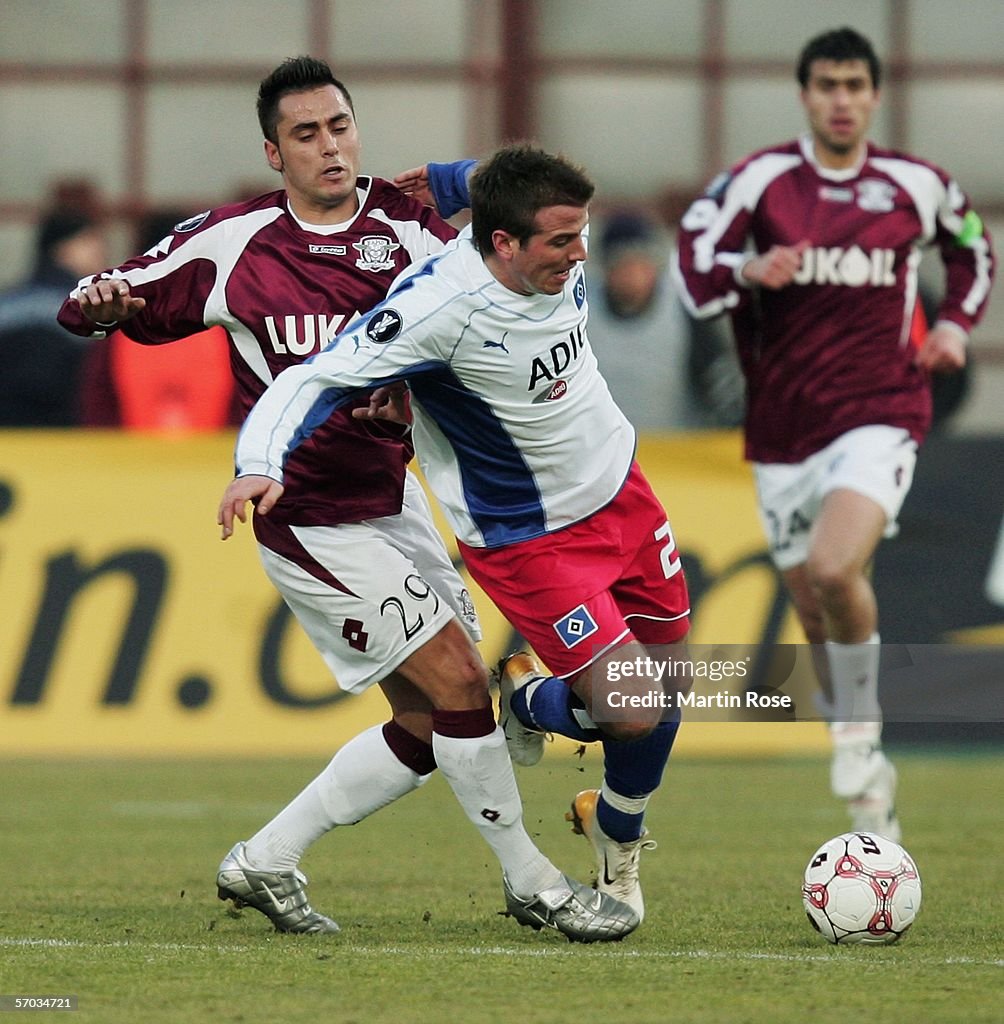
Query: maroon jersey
283	290
831	351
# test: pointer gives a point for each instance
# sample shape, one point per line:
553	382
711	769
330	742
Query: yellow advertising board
129	628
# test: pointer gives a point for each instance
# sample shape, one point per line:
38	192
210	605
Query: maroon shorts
579	592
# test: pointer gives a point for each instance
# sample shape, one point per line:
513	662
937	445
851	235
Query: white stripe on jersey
515	428
922	185
743	193
417	241
911	288
936	202
224	255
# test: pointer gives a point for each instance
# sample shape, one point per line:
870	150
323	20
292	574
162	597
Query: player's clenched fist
108	301
943	350
239	493
776	267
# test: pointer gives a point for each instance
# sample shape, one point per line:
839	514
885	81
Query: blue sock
632	771
552	709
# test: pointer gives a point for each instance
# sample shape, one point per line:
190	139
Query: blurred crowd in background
667	371
56	379
653	106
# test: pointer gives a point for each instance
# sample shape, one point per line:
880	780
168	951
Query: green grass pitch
109	895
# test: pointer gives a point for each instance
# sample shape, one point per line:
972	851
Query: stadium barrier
128	628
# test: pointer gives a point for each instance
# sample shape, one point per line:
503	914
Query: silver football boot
576	910
279	895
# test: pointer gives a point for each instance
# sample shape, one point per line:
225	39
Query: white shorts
369	594
876	461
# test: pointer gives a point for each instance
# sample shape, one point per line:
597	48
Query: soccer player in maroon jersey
535	470
812	248
353	552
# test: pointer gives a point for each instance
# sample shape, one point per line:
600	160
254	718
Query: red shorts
577	593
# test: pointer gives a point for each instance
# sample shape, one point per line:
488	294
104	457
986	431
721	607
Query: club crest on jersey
576	626
193	222
579	293
875	195
375	252
385	326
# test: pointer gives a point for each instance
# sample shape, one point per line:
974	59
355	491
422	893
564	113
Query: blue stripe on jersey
500	492
331	399
360	322
426	268
327	401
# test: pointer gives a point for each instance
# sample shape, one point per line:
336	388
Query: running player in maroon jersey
812	248
353	552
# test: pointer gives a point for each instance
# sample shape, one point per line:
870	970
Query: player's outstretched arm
239	493
108	301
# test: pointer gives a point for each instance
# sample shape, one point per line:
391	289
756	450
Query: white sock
480	774
362	777
854	670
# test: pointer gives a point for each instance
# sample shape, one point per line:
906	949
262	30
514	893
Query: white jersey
515	429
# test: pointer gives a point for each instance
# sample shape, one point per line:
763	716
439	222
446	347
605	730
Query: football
861	887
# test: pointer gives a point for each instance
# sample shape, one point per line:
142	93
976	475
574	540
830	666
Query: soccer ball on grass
861	887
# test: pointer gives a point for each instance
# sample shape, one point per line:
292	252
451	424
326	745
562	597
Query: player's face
318	154
840	100
542	264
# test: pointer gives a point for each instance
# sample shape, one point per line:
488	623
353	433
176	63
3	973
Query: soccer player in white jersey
355	555
533	463
812	248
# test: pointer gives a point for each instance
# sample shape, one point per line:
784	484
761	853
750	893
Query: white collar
331	229
809	152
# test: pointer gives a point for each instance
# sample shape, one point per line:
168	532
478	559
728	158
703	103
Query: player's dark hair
839	44
294	74
512	185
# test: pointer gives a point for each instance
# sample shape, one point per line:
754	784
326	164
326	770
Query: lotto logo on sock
576	626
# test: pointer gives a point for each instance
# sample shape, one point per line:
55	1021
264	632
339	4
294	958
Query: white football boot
857	758
616	863
875	810
861	774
